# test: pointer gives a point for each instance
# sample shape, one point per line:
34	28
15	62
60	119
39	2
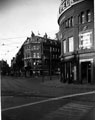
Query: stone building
41	55
76	26
17	63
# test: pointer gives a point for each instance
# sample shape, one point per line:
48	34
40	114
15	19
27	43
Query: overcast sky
19	17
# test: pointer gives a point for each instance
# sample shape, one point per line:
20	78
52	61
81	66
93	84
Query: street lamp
43	58
76	68
50	65
61	67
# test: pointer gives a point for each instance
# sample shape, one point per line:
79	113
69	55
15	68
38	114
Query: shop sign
65	4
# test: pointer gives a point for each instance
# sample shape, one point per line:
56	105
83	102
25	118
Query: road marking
47	100
70	111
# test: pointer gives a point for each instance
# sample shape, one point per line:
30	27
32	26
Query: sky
19	17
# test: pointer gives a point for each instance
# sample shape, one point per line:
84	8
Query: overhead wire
12	38
8	43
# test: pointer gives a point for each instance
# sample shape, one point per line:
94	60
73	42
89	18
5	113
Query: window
79	19
69	22
51	42
71	44
63	24
37	47
38	55
72	21
27	55
34	55
34	47
88	16
82	17
66	23
64	46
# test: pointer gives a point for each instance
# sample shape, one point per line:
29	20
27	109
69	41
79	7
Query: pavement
48	100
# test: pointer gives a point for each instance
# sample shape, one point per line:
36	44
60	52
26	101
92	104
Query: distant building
41	54
76	24
4	68
17	63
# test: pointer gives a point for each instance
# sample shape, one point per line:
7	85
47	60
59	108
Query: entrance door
86	72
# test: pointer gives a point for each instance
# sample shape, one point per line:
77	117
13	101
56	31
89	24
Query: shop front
86	70
69	70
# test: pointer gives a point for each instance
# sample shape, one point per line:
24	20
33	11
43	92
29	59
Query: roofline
68	8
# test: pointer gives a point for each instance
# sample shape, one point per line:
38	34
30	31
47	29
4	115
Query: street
47	59
30	98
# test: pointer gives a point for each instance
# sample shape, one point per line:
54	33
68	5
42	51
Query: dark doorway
86	72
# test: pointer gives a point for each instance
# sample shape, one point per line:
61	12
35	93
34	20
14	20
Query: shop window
71	44
88	16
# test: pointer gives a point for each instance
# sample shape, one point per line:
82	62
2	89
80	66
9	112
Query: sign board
65	4
85	40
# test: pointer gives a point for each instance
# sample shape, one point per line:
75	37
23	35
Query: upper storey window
72	21
71	44
88	16
82	17
64	46
69	22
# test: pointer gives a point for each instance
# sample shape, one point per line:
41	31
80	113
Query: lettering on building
65	4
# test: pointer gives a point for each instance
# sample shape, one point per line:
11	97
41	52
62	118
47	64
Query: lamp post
43	58
50	65
76	58
61	67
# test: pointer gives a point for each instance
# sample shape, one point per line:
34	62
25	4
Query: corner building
41	55
76	27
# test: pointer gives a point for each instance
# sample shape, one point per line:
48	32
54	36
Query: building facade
17	63
76	26
41	55
4	68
